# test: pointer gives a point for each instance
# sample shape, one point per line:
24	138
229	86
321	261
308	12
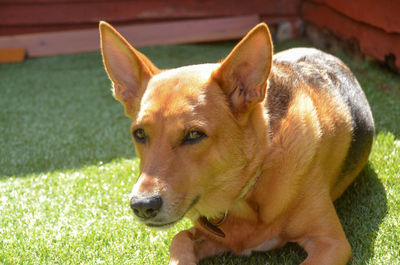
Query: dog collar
211	225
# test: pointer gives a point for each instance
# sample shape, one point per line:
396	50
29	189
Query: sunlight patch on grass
76	215
386	160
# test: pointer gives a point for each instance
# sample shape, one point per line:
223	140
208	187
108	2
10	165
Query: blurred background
366	29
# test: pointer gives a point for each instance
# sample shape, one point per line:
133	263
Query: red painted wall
27	16
374	24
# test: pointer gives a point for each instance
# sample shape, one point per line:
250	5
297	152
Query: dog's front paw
182	249
181	262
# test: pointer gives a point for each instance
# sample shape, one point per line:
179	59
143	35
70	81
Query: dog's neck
211	224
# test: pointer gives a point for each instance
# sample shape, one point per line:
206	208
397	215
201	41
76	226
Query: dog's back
323	77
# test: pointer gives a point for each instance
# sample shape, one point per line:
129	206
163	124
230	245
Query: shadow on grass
361	210
72	141
58	113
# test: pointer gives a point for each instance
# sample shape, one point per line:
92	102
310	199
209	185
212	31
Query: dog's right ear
128	69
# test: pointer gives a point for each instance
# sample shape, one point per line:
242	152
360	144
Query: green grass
67	164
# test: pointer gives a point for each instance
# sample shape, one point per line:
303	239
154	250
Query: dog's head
193	127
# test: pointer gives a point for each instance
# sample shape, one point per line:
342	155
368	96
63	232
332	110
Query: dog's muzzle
146	207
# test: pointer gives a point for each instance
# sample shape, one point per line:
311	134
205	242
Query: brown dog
253	149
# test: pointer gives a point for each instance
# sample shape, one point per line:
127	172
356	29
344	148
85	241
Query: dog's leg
326	242
327	251
188	247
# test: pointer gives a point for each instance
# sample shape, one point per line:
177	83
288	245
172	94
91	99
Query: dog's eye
193	137
139	135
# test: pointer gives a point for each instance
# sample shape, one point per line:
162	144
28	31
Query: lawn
67	164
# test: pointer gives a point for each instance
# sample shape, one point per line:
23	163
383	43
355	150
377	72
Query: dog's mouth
168	224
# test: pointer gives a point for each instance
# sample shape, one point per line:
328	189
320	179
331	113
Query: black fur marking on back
279	95
324	71
362	121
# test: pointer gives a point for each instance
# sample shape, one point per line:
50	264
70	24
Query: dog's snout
146	207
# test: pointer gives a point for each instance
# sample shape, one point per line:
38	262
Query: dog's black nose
146	207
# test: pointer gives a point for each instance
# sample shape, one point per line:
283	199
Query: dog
254	149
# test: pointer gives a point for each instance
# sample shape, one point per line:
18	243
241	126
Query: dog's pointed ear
128	69
244	72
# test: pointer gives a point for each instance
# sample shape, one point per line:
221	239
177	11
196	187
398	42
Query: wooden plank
44	44
384	14
74	12
12	55
373	41
29	29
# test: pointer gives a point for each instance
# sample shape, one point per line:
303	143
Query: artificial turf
67	165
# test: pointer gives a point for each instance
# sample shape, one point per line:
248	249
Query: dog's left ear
243	74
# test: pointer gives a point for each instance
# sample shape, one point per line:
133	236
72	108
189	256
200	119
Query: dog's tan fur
287	135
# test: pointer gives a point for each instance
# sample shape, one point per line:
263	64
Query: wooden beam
203	30
12	55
